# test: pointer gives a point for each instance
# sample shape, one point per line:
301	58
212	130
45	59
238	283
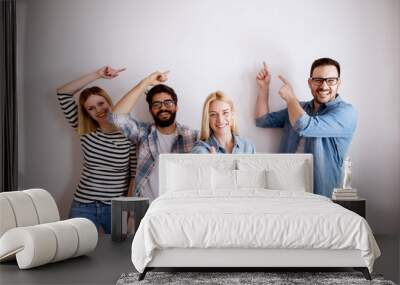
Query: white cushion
40	244
251	178
46	207
223	179
23	208
183	177
291	180
7	220
26	208
67	239
87	235
281	174
33	246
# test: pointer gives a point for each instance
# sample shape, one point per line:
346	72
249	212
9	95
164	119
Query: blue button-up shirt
327	133
240	145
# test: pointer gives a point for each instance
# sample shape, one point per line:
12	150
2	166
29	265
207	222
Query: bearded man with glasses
323	126
165	135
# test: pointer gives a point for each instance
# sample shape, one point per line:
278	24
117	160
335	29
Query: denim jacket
240	146
327	132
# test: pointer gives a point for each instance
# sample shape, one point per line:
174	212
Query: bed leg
142	275
364	271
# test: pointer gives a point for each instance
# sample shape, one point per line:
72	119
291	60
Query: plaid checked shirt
145	136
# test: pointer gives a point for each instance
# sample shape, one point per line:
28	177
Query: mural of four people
120	152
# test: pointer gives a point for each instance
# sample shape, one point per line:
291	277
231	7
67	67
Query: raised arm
263	79
66	92
74	86
293	106
129	100
263	117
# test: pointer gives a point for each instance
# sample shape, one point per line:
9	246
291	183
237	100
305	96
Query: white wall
210	45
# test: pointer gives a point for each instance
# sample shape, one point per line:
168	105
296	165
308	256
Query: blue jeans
99	213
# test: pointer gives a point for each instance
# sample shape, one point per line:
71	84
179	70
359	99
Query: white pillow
293	179
224	179
251	178
183	177
227	179
281	174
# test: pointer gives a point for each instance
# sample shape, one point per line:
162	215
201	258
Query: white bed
247	211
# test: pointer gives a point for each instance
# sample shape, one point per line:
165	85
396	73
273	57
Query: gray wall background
210	45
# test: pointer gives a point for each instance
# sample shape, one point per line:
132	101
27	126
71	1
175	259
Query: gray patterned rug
243	278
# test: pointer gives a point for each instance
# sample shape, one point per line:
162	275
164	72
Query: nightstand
357	205
120	207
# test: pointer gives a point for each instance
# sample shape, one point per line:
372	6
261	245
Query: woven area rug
273	278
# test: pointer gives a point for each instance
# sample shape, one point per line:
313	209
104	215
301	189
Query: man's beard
330	98
164	123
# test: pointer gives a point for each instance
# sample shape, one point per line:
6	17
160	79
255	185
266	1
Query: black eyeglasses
330	81
167	103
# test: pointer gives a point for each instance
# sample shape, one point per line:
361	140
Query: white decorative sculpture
346	175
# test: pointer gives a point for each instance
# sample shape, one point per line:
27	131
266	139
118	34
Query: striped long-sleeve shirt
109	160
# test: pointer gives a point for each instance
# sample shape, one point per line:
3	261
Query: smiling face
324	91
97	107
220	117
163	109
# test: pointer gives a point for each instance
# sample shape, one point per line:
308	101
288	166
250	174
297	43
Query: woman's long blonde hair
206	131
85	123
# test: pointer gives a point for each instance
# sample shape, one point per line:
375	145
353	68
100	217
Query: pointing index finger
265	65
283	79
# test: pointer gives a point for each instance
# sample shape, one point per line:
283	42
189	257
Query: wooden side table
358	206
120	207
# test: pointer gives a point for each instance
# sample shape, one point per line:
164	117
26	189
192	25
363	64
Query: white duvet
252	218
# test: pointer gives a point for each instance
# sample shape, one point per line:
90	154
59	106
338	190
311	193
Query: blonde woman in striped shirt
109	158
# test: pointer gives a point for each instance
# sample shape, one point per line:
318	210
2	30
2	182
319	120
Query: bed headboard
293	170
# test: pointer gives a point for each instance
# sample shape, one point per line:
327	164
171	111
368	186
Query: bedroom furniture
246	211
101	266
110	259
120	207
357	205
31	231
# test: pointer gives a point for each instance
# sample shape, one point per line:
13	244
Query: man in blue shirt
323	126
